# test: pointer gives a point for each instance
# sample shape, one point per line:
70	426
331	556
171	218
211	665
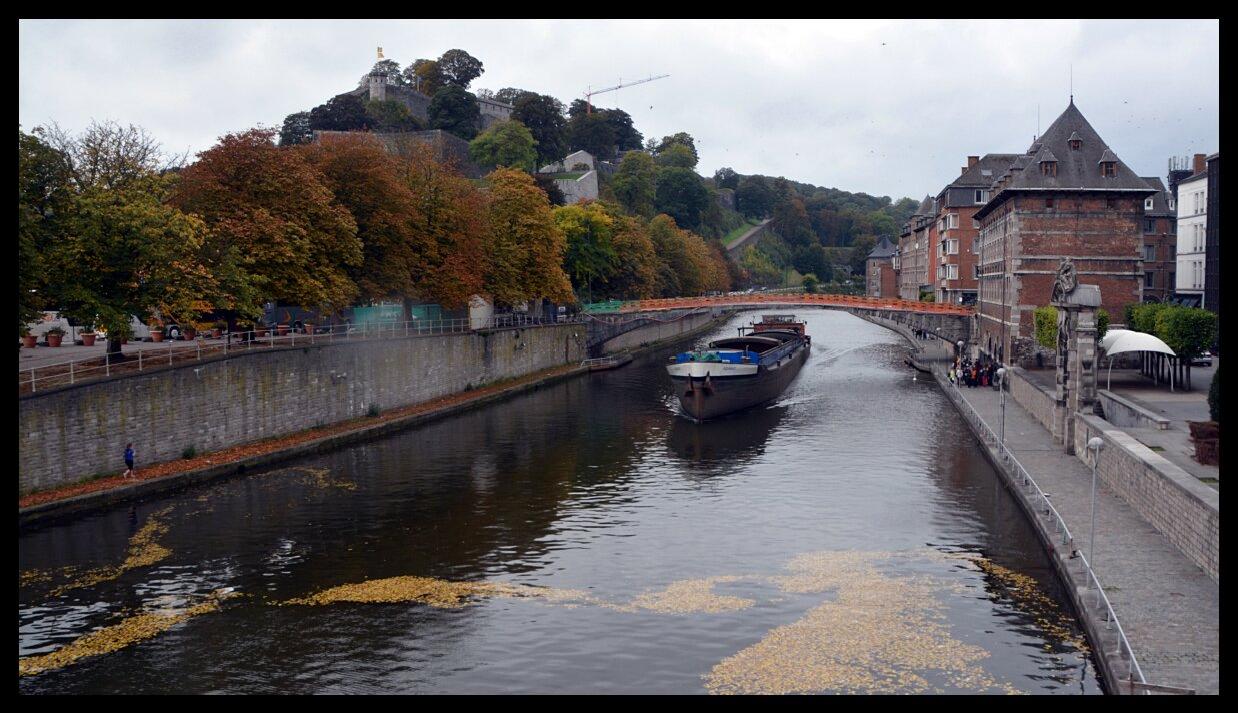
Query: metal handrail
1111	617
81	369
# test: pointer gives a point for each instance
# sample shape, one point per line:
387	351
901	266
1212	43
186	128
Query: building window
1171	204
1108	169
1075	144
1149	226
1048	168
1048	202
1173	227
1148	279
952	220
1111	203
1149	253
982	197
1147	204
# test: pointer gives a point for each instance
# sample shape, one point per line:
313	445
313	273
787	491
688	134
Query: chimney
972	161
1201	163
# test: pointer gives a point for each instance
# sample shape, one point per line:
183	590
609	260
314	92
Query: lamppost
959	344
1095	444
1001	386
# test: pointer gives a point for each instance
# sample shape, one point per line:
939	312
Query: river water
850	537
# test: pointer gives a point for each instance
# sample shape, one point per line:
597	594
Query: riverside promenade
1167	606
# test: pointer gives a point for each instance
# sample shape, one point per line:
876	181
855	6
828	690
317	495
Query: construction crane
589	94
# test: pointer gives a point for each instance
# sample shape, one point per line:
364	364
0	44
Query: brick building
879	277
954	250
1160	244
912	259
1068	196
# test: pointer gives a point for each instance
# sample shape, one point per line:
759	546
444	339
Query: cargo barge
739	372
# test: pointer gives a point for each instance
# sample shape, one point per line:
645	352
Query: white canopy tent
1130	341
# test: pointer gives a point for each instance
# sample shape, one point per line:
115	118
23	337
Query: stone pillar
1076	358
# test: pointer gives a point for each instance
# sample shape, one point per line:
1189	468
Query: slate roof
994	163
926	206
883	249
1160	201
1076	170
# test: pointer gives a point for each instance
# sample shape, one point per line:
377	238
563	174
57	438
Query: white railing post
227	338
32	387
140	359
70	372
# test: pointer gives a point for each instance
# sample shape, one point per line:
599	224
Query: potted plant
88	336
156	331
190	332
54	335
260	330
281	330
28	340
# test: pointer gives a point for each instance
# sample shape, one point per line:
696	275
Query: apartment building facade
1192	217
954	249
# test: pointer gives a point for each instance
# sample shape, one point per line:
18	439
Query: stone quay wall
1170	499
655	332
76	432
1039	403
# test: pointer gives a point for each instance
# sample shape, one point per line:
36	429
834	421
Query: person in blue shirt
129	460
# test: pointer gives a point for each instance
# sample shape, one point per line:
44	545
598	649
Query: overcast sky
884	107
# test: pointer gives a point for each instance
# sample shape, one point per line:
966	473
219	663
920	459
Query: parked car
1204	359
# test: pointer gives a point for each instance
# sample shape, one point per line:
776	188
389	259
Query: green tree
680	194
130	254
635	183
811	283
345	112
459	68
677	156
591	254
726	178
790	220
1045	319
511	95
754	197
1214	397
1102	324
45	199
592	133
1189	331
455	111
507	143
296	129
389	68
543	115
627	138
682	139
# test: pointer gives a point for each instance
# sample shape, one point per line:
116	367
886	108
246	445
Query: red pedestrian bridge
761	299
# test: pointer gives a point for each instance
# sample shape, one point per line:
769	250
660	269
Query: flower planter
88	339
281	330
260	333
156	335
29	341
53	340
216	333
190	334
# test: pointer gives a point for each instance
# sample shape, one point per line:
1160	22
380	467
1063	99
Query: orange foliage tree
526	247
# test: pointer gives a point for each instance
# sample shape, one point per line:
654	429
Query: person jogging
129	460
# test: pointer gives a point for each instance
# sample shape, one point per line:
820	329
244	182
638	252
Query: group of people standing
969	373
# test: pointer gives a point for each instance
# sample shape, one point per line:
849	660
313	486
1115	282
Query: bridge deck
761	300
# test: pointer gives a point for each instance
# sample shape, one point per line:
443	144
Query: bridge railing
797	297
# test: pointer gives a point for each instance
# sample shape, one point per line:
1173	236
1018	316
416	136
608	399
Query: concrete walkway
1168	607
742	241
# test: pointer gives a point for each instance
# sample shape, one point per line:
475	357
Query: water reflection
734	438
592	485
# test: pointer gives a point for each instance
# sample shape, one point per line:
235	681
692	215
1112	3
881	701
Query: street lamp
1001	386
1096	444
959	344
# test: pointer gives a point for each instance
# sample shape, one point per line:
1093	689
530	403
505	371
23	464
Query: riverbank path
1167	605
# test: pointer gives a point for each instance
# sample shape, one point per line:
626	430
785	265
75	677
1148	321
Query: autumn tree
109	155
455	111
526	246
635	274
449	215
507	143
591	255
635	183
425	76
276	231
366	181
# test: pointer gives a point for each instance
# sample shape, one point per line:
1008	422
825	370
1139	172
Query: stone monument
1076	347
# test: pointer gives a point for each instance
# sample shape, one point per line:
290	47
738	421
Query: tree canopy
507	143
459	68
543	115
455	111
525	245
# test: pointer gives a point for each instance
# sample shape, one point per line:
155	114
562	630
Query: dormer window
1048	168
1108	169
1075	142
1147	204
